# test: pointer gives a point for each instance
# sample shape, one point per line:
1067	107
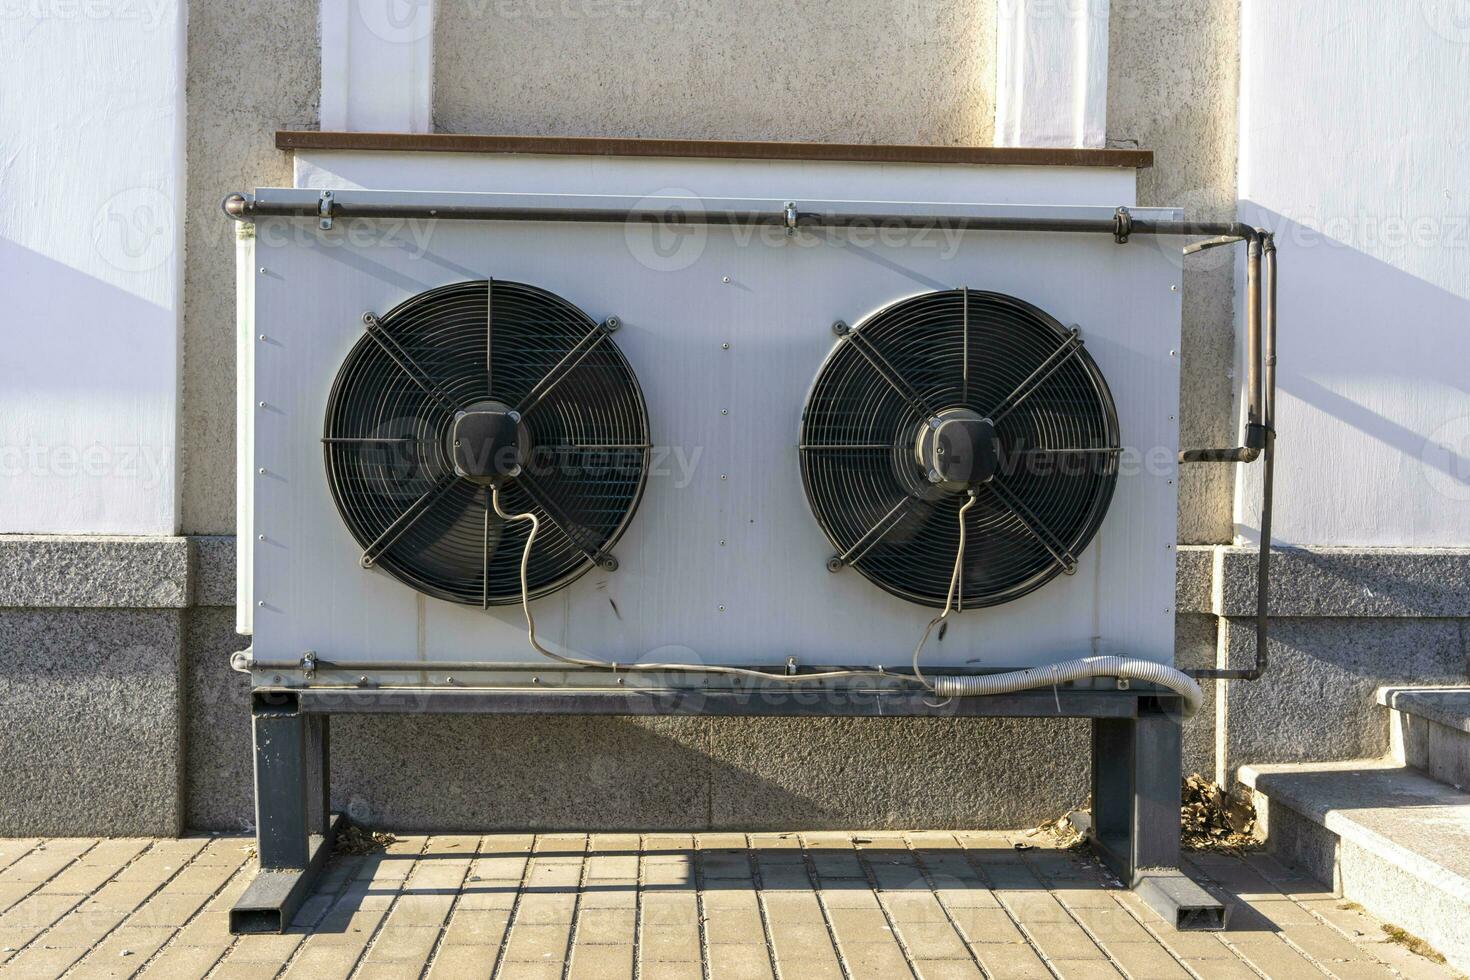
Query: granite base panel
92	722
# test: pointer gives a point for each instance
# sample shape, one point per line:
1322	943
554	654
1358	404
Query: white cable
954	582
660	668
977	685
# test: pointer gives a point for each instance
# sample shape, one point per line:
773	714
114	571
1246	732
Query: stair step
1430	730
1386	836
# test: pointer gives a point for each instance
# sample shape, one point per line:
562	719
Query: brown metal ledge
1004	156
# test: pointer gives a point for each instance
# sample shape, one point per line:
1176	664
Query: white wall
1355	148
377	65
1051	72
91	178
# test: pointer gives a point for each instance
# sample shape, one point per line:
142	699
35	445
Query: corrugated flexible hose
1127	668
978	685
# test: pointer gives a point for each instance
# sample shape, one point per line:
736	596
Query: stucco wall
867	71
252	69
1172	74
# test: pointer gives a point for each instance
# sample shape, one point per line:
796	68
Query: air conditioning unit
572	446
752	452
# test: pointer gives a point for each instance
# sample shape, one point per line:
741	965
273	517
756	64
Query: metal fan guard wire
929	353
386	436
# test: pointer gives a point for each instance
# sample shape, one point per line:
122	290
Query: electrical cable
654	667
950	686
954	582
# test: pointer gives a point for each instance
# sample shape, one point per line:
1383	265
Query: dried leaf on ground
1070	829
357	840
1210	819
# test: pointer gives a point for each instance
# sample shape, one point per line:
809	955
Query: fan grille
1055	423
387	429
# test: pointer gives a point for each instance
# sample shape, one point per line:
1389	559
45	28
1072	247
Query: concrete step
1387	837
1430	730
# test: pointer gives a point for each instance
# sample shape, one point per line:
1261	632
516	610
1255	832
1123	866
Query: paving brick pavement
846	906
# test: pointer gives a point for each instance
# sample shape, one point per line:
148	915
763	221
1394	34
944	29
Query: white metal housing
723	562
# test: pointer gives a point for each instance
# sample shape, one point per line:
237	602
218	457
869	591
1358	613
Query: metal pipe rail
1257	438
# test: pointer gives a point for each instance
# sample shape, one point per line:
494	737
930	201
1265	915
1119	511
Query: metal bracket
308	664
791	217
1122	226
324	211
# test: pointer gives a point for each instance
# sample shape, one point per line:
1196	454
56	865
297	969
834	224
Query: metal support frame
1135	814
294	824
1135	763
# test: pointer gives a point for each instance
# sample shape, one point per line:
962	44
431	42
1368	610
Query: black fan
947	394
475	385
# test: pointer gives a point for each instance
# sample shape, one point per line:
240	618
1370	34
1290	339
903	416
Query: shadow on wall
87	393
1374	399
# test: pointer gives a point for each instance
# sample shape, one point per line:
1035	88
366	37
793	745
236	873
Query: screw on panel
839	328
724	279
834	564
724	411
611	324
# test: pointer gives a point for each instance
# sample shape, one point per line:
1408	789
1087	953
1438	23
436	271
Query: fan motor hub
957	449
488	442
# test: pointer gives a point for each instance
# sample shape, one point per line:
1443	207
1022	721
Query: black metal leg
1135	812
294	825
1112	793
282	777
319	777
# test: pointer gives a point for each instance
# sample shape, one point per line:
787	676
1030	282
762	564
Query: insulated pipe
1263	557
1128	668
242	208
